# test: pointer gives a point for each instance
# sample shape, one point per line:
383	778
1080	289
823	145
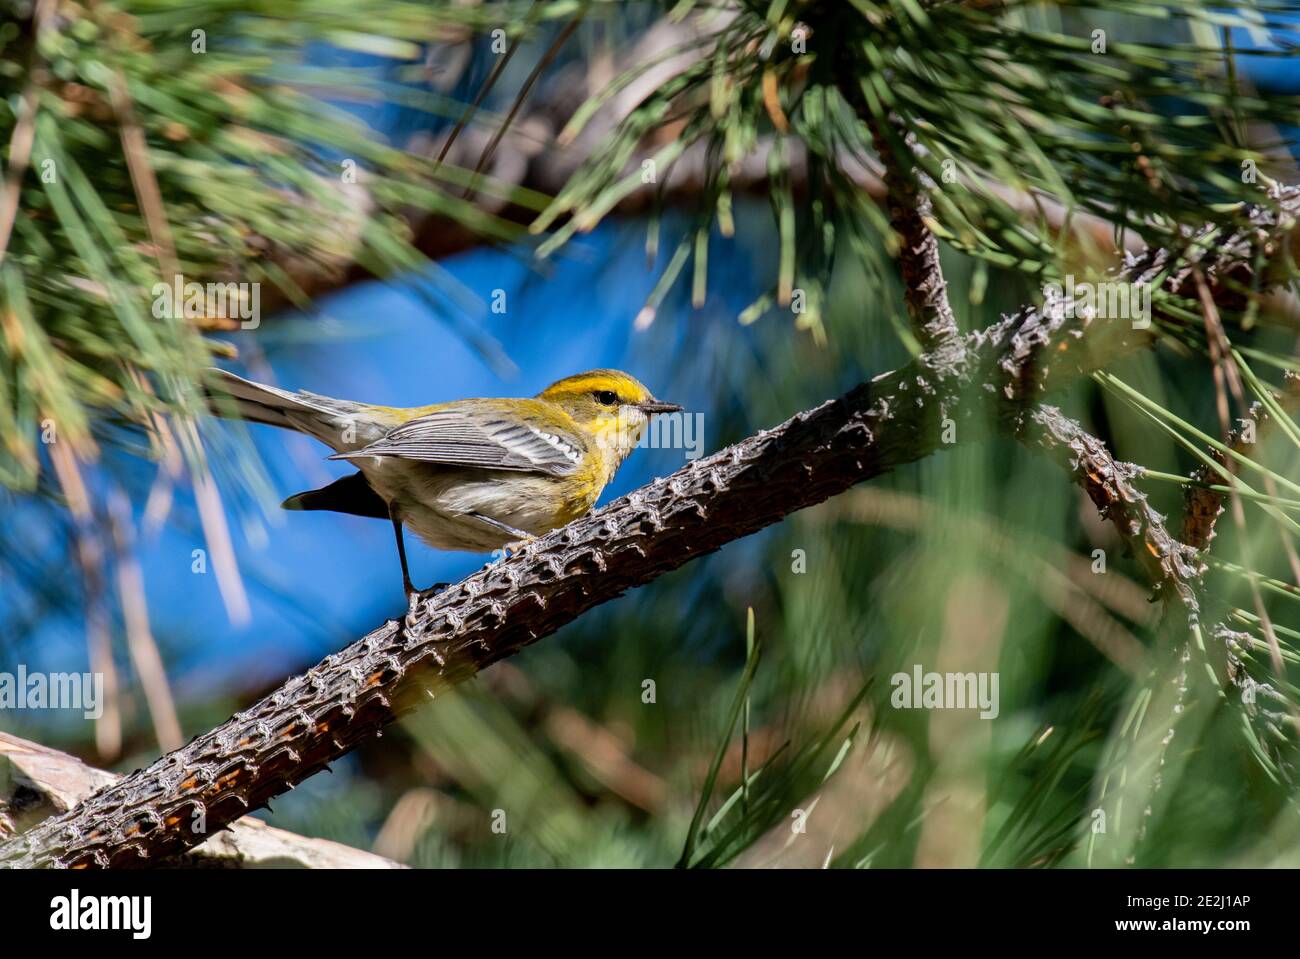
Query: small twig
90	560
139	638
135	149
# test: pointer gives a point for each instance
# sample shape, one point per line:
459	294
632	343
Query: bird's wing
480	435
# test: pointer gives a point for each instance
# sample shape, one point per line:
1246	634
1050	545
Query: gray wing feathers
322	417
459	437
268	398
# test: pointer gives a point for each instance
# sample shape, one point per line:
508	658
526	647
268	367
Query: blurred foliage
1147	133
143	146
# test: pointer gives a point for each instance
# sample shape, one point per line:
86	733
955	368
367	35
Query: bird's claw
413	595
514	547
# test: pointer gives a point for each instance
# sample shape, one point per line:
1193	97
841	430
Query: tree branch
924	288
1108	483
1167	562
1203	506
37	782
987	382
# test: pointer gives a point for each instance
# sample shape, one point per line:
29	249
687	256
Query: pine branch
37	781
1085	458
993	381
924	288
1167	562
1108	483
1202	506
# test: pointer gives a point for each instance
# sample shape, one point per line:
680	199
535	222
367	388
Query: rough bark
924	288
1203	506
37	782
989	380
1109	483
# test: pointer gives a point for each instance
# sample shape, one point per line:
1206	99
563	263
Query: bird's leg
520	536
407	586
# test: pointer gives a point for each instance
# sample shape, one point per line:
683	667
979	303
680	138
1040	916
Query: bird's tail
340	424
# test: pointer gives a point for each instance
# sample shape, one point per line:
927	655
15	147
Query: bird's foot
506	550
516	545
414	596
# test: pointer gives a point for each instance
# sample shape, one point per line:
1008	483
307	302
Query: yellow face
611	405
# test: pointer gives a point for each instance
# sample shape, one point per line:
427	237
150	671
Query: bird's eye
605	397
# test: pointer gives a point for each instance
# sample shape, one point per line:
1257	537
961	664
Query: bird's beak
651	407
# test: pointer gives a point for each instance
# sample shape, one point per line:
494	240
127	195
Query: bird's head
610	406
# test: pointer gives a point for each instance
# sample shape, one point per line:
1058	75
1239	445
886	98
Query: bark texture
1170	565
37	782
924	288
1202	506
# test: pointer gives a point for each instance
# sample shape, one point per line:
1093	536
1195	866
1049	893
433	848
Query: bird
474	475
